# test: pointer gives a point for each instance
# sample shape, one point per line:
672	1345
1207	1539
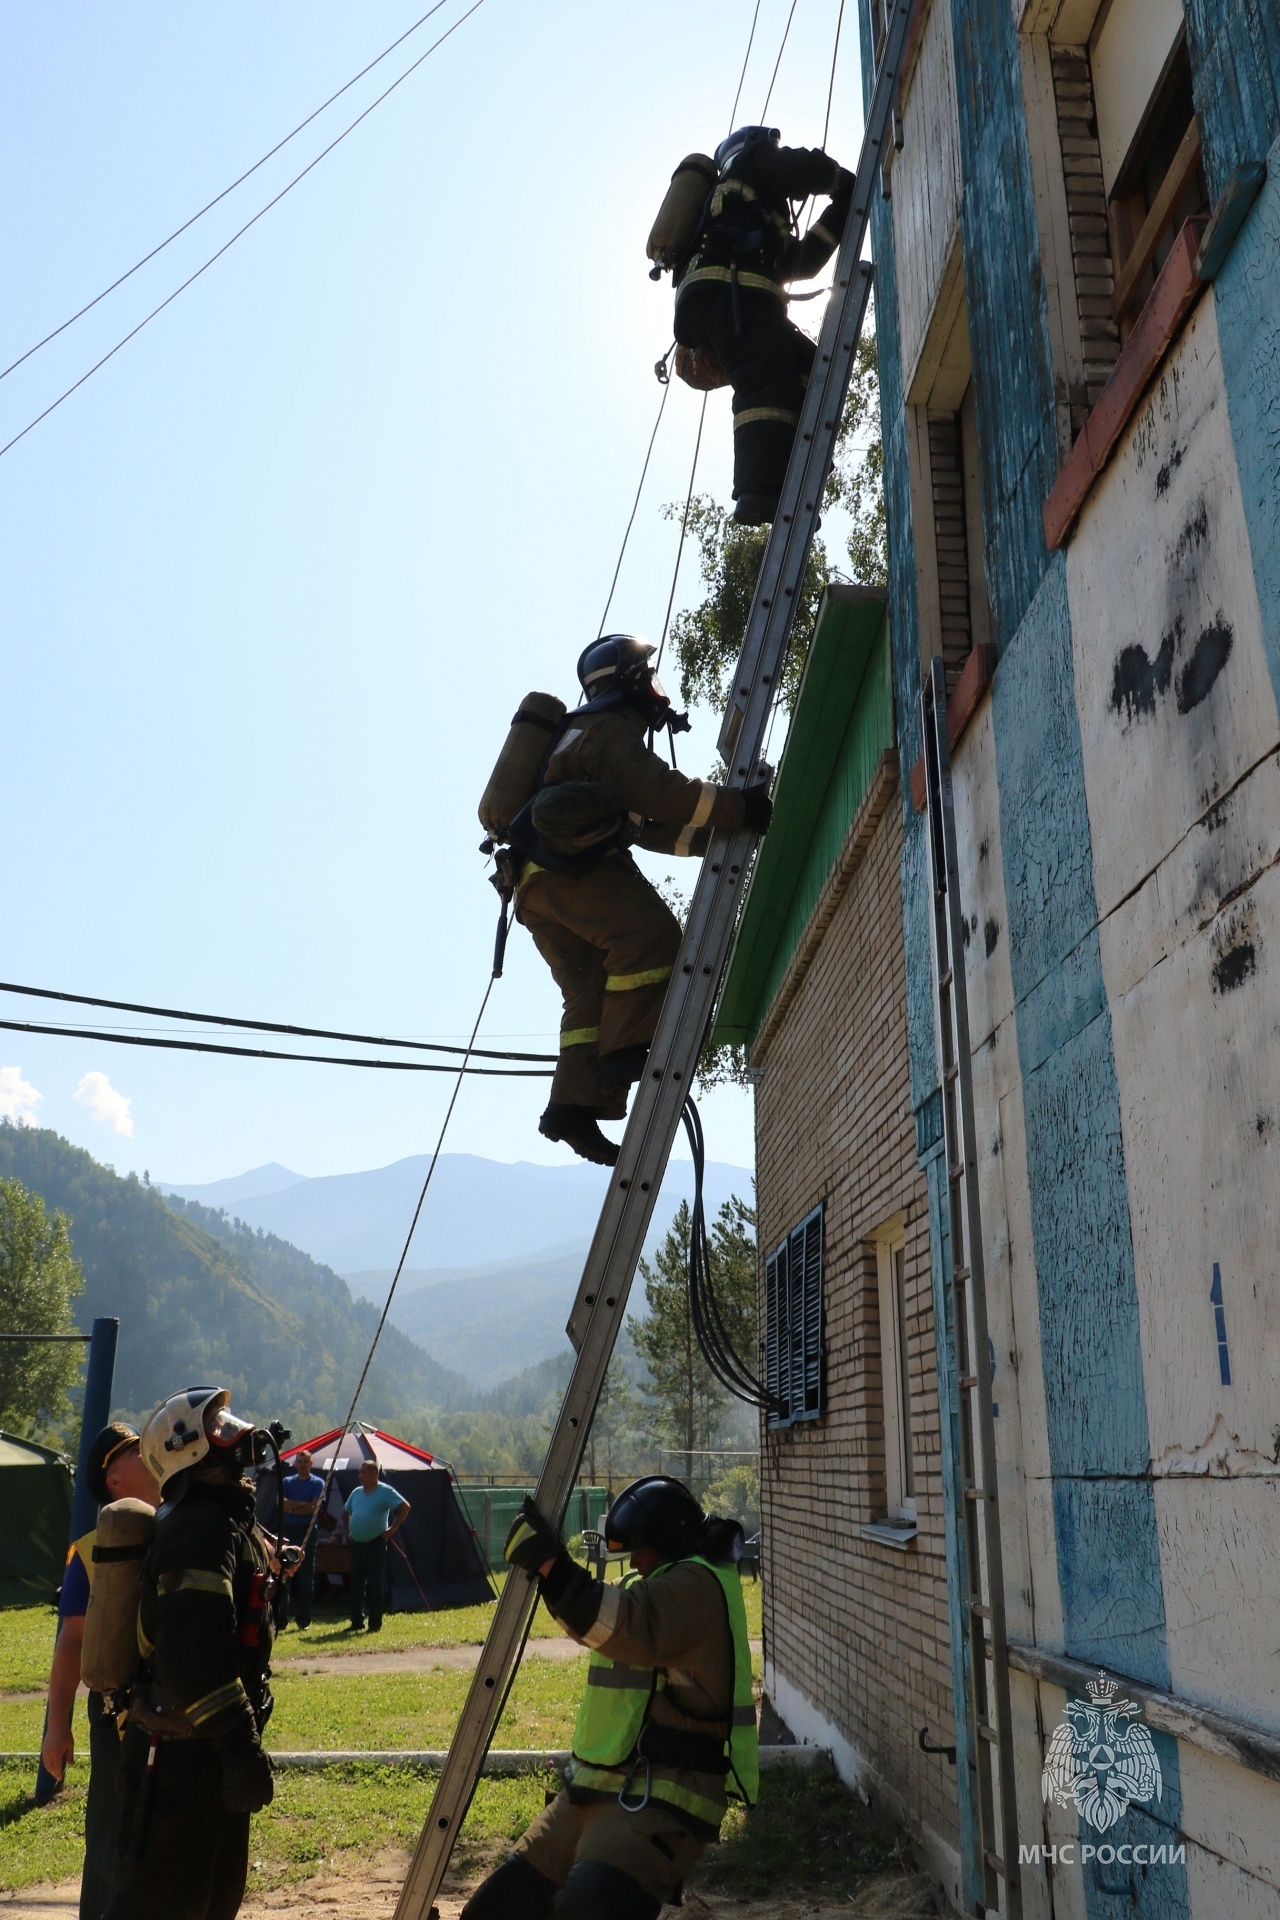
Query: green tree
707	638
690	1402
39	1279
616	1429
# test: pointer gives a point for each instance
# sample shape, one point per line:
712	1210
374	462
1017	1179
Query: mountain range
478	1212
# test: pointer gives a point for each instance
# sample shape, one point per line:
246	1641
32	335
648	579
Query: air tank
680	215
515	773
109	1655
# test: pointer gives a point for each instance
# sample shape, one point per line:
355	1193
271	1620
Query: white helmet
188	1426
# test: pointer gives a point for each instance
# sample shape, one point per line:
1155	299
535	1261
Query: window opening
793	1324
895	1373
1160	185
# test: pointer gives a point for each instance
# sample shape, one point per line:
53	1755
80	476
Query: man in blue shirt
374	1512
302	1494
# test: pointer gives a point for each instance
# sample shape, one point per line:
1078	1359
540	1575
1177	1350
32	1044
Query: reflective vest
609	1735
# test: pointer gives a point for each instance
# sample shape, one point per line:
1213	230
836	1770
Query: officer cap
103	1449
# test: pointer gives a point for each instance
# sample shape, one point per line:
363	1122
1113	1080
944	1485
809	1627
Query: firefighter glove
757	808
531	1542
247	1785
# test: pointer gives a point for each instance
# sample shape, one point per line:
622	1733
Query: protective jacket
665	810
748	222
668	1714
205	1627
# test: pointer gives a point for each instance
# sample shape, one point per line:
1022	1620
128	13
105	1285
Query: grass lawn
808	1832
345	1813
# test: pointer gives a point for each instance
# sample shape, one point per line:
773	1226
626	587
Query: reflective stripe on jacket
614	1727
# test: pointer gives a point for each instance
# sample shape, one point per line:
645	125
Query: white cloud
18	1098
104	1103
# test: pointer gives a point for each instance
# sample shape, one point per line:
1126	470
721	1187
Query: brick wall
859	1628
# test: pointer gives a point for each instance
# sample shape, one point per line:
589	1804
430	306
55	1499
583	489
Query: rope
265	1026
634	507
238	235
395	1278
764	112
684	528
831	87
268	1053
733	111
209	205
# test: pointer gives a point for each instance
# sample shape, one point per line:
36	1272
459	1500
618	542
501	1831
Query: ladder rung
968	1382
974	1493
960	1273
956	1172
994	1861
952	1073
980	1608
989	1734
945	980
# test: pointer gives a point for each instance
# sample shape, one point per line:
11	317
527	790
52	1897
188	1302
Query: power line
238	235
684	528
267	1053
267	1026
751	38
209	205
634	507
831	85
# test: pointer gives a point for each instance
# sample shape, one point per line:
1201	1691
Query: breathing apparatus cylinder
514	779
680	215
109	1655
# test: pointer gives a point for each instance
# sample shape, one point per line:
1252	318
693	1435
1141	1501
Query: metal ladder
601	1301
986	1655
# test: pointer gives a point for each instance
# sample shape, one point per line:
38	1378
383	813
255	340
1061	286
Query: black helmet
615	663
619	663
656	1512
742	141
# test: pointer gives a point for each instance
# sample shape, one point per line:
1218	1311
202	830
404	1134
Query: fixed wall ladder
977	1519
601	1300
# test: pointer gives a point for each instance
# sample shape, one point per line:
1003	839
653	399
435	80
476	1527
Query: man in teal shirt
374	1512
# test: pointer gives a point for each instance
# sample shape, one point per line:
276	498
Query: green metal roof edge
850	620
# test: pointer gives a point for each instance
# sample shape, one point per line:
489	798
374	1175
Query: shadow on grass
808	1831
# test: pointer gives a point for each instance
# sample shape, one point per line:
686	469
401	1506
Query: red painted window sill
975	677
1168	305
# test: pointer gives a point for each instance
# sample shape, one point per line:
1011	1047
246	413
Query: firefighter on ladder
727	234
607	935
667	1727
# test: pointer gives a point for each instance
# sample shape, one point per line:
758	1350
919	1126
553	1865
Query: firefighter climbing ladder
977	1520
659	1098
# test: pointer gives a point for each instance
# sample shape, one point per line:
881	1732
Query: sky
275	578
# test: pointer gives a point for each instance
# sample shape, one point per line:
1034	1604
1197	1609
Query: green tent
35	1520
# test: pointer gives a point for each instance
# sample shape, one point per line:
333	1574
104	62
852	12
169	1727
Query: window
899	1448
793	1346
1159	184
947	494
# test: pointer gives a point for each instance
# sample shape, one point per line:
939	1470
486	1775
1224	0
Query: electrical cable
714	1339
634	507
831	85
733	111
684	528
268	1053
239	234
209	205
323	1502
267	1026
764	112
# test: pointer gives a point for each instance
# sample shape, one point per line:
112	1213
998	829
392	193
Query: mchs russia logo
1101	1758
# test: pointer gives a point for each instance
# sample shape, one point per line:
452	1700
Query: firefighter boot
578	1128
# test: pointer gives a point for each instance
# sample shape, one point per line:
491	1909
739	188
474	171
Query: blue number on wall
1220	1325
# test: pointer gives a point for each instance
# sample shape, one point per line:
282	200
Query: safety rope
751	37
764	111
266	1026
404	1255
634	506
684	528
831	85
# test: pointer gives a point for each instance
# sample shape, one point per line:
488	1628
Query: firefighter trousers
610	941
180	1854
768	364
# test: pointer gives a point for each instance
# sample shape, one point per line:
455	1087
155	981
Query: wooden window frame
895	1373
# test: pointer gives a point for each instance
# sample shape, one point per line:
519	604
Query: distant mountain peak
256	1184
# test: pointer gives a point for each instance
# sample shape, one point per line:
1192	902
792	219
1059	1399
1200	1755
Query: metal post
96	1411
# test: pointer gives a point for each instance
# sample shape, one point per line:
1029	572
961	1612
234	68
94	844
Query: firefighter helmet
742	141
192	1426
656	1511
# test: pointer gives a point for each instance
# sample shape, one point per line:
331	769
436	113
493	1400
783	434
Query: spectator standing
374	1512
115	1472
303	1491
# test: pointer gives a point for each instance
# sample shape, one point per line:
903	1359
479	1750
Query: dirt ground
372	1895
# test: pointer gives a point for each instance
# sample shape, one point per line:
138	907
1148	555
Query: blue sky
275	579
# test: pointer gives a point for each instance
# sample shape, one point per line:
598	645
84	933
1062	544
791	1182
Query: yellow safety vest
608	1754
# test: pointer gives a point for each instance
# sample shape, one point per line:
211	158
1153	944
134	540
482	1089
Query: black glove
247	1786
757	808
530	1543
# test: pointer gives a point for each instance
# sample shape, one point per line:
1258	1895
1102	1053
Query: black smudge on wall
1136	680
1208	657
1232	968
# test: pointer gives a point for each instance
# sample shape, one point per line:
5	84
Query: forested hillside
203	1299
